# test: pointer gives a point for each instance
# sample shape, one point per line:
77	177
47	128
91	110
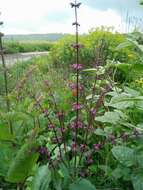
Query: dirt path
13	58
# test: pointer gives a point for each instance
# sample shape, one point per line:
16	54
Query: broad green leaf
23	163
140	160
131	91
7	152
137	180
42	178
121	171
100	132
123	45
82	184
109	117
124	155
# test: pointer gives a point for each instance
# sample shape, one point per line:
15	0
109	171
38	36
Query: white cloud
34	16
90	17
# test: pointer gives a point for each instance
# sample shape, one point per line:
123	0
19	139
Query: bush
99	46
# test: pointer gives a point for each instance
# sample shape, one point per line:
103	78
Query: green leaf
42	178
82	184
23	163
123	45
122	171
88	70
5	133
100	132
124	155
109	117
7	152
137	181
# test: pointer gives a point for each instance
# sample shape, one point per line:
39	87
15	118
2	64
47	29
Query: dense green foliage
21	47
109	151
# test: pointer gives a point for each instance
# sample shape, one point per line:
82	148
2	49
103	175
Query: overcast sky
48	16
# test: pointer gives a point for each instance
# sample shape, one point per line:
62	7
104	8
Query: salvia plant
73	141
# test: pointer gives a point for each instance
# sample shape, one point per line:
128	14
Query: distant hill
33	37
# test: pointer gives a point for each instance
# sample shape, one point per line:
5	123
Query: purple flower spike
77	46
89	160
60	115
83	147
49	157
43	150
77	66
74	147
46	112
124	136
93	112
72	85
97	147
51	126
76	125
76	107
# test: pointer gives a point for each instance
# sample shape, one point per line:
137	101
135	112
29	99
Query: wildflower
112	139
62	129
82	174
97	147
46	112
51	126
93	112
76	125
124	136
60	115
77	46
77	66
73	87
74	147
89	159
83	147
49	157
43	150
76	106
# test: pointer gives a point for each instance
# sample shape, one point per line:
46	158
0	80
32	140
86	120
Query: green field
24	46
